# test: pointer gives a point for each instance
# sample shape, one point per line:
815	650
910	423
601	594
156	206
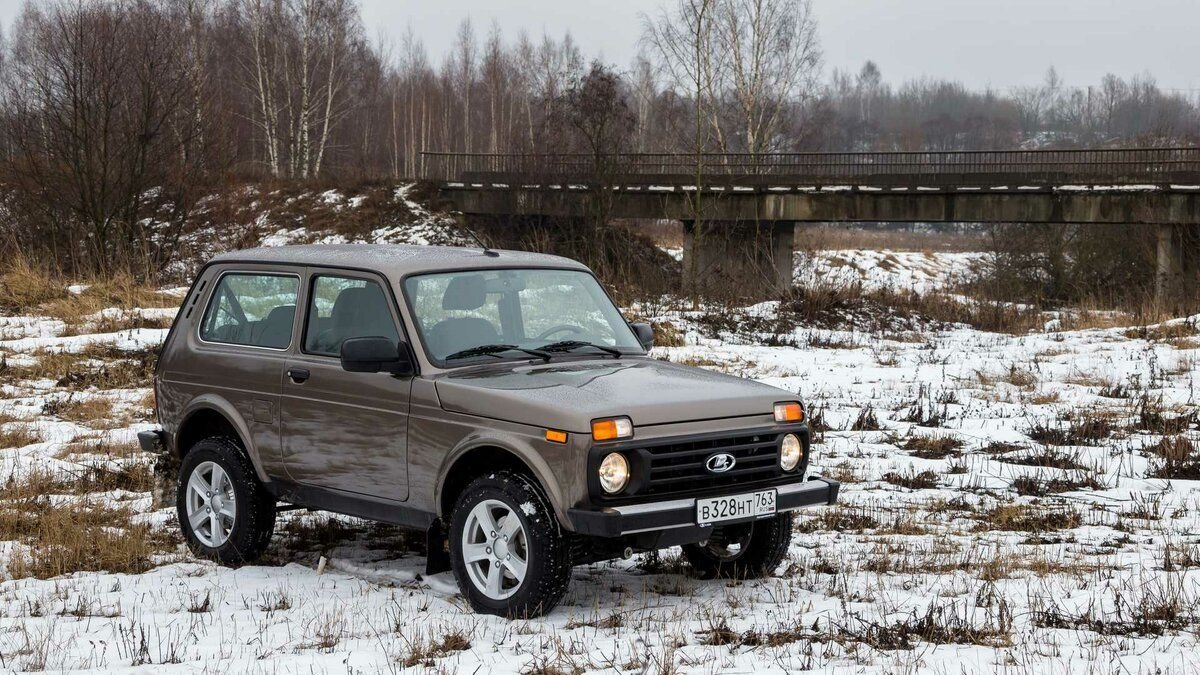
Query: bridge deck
1161	167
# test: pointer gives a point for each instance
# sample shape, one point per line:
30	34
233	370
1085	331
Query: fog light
614	473
790	452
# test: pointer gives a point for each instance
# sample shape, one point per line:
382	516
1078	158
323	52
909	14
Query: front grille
681	467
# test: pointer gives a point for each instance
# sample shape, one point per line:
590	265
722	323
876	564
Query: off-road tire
760	557
549	568
255	520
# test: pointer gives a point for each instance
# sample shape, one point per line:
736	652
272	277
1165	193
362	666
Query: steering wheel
560	328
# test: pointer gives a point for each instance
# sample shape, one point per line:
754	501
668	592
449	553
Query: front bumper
618	521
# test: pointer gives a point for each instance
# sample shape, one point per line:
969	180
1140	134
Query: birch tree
773	60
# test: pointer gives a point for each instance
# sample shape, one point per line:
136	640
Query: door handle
298	375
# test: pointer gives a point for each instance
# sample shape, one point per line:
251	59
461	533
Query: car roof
395	260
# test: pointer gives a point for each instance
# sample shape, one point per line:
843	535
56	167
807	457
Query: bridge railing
991	168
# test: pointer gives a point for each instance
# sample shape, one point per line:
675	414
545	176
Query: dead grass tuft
1034	487
866	420
913	481
422	652
1049	458
1175	457
1084	430
1028	518
933	447
951	623
17	435
838	519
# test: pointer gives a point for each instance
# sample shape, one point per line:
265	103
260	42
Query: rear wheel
508	553
225	513
742	551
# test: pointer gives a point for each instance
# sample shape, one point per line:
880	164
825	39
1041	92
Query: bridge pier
739	259
1177	275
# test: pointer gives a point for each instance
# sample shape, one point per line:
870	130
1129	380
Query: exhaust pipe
627	553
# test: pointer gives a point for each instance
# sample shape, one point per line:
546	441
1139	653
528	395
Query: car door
240	348
345	431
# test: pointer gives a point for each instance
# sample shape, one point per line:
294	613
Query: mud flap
437	549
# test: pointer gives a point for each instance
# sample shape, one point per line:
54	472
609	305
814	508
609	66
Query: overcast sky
1001	43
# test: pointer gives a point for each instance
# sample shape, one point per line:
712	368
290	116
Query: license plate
735	507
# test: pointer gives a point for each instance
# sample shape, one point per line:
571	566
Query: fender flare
522	451
220	405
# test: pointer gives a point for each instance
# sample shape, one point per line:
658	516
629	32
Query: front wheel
743	551
508	553
225	513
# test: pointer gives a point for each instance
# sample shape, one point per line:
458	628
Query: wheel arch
209	416
482	456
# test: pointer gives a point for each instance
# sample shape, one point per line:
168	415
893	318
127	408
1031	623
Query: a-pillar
738	259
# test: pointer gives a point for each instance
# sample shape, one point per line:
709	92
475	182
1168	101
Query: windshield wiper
496	350
569	345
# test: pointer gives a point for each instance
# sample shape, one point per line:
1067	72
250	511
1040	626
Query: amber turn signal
789	412
556	436
612	429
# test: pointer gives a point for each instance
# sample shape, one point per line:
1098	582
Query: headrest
465	292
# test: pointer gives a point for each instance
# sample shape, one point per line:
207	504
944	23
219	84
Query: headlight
790	452
614	473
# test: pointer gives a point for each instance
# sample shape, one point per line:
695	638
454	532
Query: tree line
118	116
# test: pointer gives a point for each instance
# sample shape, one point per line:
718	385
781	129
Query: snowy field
1010	504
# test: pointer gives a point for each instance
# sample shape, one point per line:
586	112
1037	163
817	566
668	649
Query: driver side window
341	308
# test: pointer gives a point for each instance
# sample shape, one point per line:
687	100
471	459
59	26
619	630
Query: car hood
569	395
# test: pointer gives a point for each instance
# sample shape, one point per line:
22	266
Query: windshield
461	314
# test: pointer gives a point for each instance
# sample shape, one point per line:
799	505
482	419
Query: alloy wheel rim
211	504
495	549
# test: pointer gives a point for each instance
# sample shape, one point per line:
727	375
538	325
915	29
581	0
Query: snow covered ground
1009	504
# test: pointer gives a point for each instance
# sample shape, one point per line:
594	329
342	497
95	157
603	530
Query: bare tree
598	111
683	41
466	53
297	72
773	62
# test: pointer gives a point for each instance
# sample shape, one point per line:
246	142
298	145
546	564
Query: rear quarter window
250	309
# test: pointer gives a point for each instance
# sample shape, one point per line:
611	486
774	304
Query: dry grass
61	539
1035	487
26	289
100	447
81	480
98	365
1028	518
61	534
93	411
913	481
1047	457
22	286
952	623
425	652
932	447
1176	457
18	436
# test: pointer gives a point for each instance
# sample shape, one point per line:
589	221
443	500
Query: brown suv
497	401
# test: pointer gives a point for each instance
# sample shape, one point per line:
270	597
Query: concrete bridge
739	222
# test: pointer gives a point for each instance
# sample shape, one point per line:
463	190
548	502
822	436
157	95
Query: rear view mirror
644	333
375	355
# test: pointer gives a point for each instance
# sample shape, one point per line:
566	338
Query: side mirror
644	333
375	355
